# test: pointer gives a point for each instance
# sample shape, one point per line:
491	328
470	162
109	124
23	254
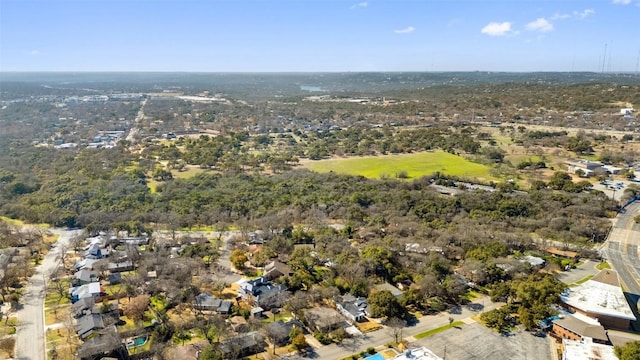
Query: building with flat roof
600	298
581	350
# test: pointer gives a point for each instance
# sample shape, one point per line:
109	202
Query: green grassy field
415	165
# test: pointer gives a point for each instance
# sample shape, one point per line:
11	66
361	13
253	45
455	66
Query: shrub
322	338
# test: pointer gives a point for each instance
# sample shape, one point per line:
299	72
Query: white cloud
540	24
360	5
497	29
575	14
558	16
622	2
584	13
407	30
34	52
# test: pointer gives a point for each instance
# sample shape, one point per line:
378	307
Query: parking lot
613	188
474	341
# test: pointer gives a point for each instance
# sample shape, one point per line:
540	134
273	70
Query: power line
604	58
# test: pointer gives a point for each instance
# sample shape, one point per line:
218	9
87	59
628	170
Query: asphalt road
30	343
621	248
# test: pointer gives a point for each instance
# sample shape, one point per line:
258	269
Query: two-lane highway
621	248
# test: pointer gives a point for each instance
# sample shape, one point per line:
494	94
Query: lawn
368	326
603	265
581	281
415	165
56	314
439	329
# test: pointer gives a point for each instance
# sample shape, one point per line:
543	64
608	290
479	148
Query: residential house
84	276
323	319
108	344
276	269
88	306
93	251
88	324
120	266
89	264
280	331
243	345
92	290
239	324
534	261
136	241
82	307
566	254
207	302
353	308
263	293
392	289
97	240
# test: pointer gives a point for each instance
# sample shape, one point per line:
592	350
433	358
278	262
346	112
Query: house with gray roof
82	307
84	276
276	269
88	324
353	308
87	290
323	319
243	345
207	302
262	292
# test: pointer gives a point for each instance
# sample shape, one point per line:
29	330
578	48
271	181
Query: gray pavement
588	268
384	336
30	333
621	248
474	341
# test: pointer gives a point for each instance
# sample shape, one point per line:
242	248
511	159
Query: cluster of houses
93	316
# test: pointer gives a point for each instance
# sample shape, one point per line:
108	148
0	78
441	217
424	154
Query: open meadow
415	165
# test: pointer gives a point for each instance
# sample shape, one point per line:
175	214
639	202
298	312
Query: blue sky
319	35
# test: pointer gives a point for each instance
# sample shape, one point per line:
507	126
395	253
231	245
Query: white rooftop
533	260
599	298
579	350
417	354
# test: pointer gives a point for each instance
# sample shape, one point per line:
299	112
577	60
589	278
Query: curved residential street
621	248
30	343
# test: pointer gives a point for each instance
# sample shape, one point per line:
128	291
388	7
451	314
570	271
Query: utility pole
604	58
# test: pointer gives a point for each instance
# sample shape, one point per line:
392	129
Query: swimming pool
377	356
135	342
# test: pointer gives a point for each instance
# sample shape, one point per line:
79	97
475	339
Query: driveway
30	343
